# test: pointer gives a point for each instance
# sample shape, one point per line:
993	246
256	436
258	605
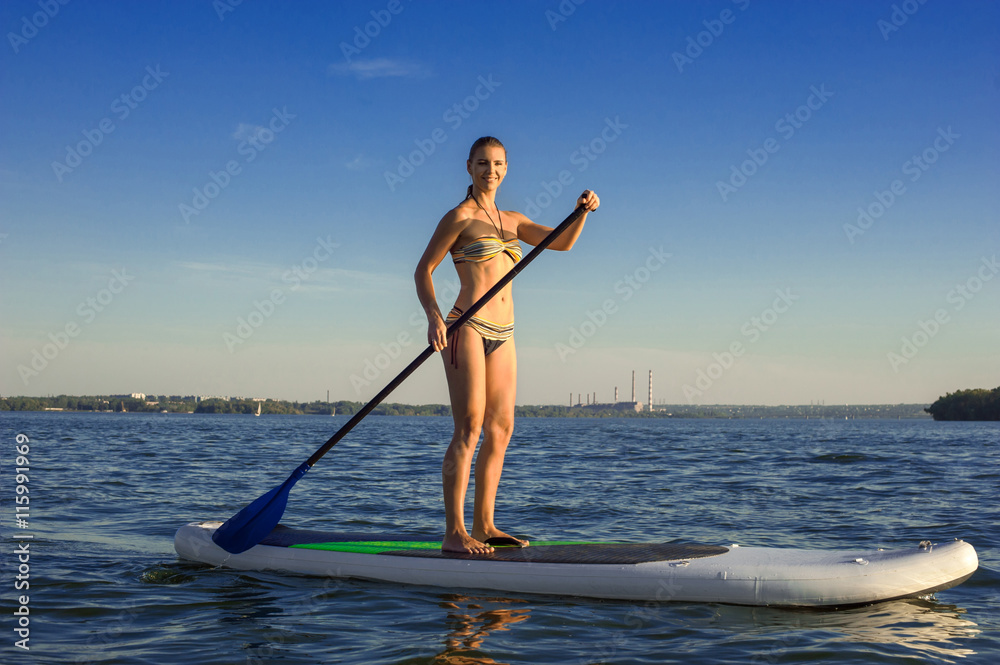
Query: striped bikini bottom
493	334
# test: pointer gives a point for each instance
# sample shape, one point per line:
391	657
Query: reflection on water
924	626
471	623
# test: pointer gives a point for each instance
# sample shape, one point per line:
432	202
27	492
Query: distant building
617	406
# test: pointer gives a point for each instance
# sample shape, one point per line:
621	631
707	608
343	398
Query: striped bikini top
485	248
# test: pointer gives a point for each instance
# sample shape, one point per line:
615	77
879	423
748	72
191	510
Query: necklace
500	230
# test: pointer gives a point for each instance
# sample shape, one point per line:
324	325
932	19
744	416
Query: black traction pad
284	536
591	553
613	554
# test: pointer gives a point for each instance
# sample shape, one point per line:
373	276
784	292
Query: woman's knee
499	427
468	428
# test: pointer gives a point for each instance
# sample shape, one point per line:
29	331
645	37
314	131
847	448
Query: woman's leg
498	425
467	388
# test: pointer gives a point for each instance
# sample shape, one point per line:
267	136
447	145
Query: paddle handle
458	323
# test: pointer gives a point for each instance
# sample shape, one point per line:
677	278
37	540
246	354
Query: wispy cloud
360	163
379	68
235	269
246	131
269	275
198	266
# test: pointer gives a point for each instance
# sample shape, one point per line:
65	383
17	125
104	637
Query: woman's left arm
533	233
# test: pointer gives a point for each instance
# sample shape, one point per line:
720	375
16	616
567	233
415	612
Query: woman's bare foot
484	535
463	542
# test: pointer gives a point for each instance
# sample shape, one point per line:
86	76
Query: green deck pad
392	546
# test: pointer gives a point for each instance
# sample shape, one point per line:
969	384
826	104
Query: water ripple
109	490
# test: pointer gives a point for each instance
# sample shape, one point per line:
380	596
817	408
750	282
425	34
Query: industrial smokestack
650	404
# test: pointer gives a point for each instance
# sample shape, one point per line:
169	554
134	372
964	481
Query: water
107	492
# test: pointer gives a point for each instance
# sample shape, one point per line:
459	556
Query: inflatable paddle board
623	571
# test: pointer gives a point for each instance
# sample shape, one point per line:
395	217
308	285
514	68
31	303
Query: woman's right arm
444	238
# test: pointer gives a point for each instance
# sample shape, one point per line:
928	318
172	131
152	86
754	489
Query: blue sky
209	198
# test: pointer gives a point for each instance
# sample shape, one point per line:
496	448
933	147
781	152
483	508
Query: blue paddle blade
252	524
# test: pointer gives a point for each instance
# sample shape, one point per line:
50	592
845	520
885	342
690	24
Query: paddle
249	526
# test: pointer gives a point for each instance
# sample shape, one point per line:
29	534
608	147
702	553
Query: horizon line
574	406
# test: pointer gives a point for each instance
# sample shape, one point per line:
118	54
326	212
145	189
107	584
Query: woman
480	363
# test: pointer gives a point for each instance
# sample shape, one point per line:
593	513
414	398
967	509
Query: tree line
192	404
236	405
974	404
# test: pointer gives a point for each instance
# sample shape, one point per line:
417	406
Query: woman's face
488	167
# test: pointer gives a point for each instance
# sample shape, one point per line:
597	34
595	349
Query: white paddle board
624	571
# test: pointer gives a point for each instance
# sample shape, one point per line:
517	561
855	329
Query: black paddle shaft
461	321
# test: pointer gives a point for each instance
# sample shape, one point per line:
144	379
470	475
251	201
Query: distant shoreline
244	406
